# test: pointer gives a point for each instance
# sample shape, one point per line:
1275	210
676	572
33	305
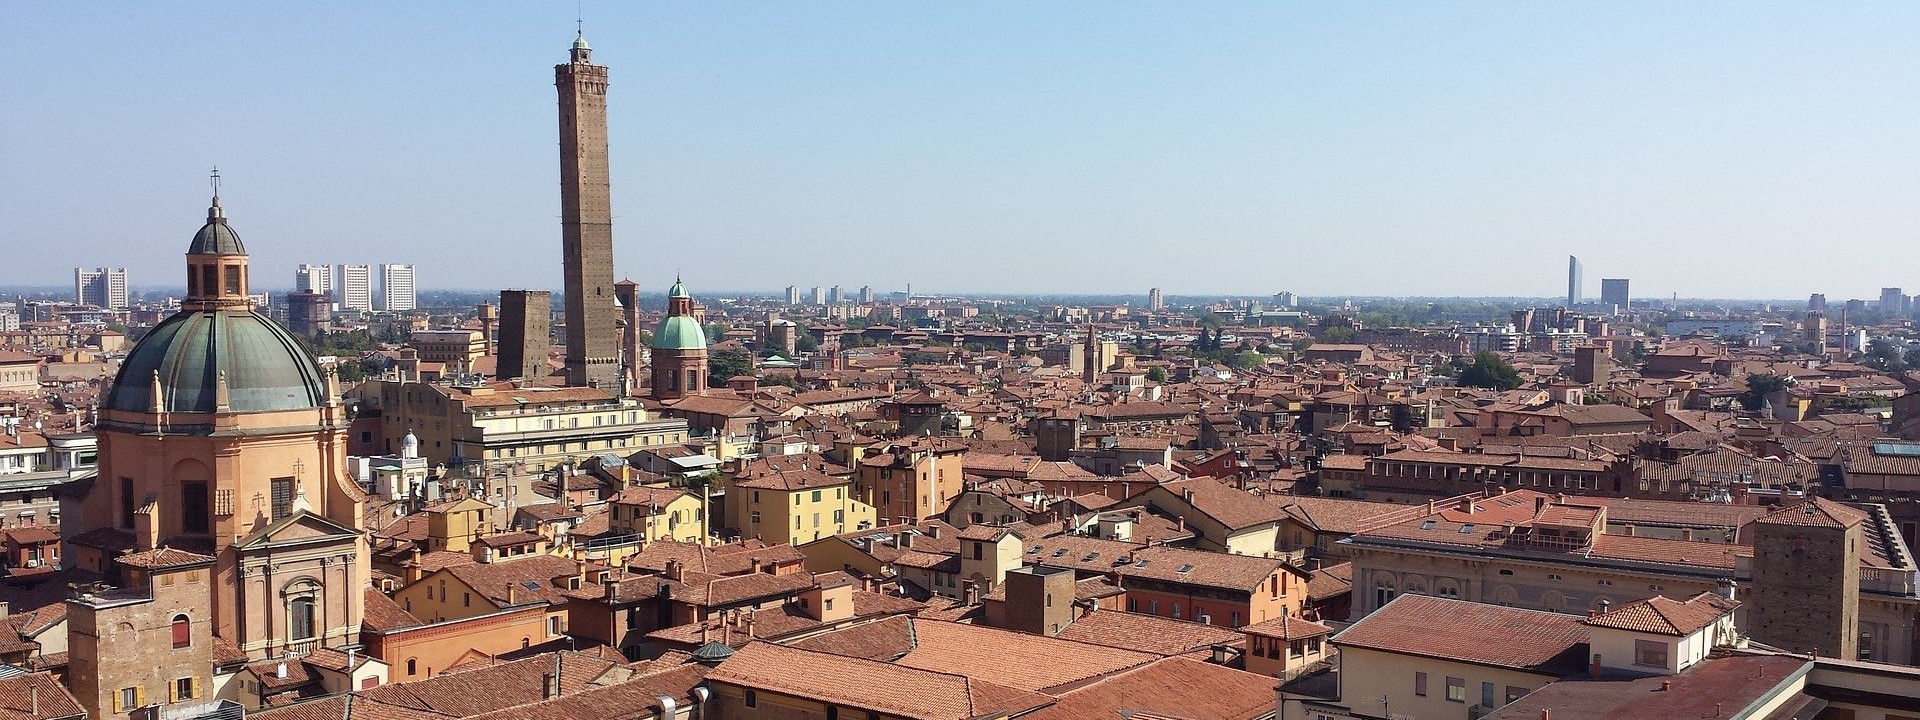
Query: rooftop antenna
215	181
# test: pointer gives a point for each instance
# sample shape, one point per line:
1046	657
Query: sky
1739	150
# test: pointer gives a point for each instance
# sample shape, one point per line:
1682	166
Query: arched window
300	618
182	631
413	666
524	643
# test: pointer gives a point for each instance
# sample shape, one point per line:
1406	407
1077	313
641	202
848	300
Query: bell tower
586	222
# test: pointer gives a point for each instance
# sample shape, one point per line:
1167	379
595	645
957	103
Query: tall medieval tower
586	222
1806	579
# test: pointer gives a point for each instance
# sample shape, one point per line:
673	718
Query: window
193	507
282	489
752	700
816	496
182	631
413	665
182	689
1650	653
233	280
126	502
553	626
129	698
979	550
1456	690
1606	583
1420	684
1487	695
300	618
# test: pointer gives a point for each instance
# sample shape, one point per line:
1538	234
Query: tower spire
214	210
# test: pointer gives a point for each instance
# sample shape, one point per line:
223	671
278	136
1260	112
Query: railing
599	548
1887	580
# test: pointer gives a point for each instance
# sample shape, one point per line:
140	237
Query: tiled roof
791	480
1146	633
1175	687
1532	640
1242	573
531	578
1665	616
1816	512
20	694
162	557
1336	515
1287	627
883	640
1230	506
1012	659
1707	689
382	613
866	684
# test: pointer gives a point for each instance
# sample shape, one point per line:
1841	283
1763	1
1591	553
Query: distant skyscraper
356	287
1286	298
1155	300
835	296
396	288
819	295
101	287
793	295
1892	301
1817	302
1613	291
586	222
1573	281
866	294
314	279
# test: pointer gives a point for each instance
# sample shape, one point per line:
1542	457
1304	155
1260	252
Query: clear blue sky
1710	149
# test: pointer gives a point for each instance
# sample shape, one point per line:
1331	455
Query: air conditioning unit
33	563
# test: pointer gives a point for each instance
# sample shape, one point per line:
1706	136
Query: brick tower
586	222
1806	579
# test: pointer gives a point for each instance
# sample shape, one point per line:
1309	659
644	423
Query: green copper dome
216	237
266	370
679	289
679	332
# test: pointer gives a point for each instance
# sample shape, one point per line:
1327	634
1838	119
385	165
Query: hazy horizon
1218	150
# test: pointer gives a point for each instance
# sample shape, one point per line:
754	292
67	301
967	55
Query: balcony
1887	580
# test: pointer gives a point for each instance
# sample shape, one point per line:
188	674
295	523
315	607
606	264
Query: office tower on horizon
355	287
1615	292
313	279
1573	281
397	292
1156	301
101	287
793	295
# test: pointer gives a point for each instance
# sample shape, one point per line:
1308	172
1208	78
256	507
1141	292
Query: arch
1416	584
301	585
126	627
1447	588
1506	596
182	629
413	666
1553	601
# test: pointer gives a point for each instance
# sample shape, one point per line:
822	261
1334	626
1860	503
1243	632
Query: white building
396	287
101	287
356	287
314	279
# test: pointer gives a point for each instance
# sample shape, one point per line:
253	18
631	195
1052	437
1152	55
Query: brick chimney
676	571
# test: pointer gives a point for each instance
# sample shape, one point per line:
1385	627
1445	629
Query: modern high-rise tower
1156	301
101	288
356	287
314	279
586	222
1616	292
397	289
1573	281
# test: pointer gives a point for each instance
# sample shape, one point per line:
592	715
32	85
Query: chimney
513	594
1666	685
1539	504
33	699
1466	505
905	537
1594	668
676	571
549	686
351	652
280	671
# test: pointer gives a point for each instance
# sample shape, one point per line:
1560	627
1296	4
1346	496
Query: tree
1761	385
1489	370
726	365
805	342
1246	359
1337	335
1887	355
1157	374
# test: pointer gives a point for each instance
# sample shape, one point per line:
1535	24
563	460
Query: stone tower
525	323
586	222
1806	579
628	293
679	349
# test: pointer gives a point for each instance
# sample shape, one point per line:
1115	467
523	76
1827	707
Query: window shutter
196	687
173	691
116	702
140	696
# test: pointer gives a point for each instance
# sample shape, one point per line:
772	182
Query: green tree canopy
1157	374
1489	370
1759	386
727	364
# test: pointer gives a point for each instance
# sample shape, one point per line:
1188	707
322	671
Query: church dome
679	332
266	369
216	237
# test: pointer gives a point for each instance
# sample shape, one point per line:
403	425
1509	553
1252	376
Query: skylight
1185	569
1467	528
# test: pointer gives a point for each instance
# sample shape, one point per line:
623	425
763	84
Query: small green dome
216	237
679	332
679	289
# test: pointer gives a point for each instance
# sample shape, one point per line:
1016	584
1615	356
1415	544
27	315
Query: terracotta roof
1146	633
1336	515
1818	512
883	640
1287	627
382	613
162	557
1018	660
1175	687
868	685
20	694
1230	506
1665	616
1702	691
1436	627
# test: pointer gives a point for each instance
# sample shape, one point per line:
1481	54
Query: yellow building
796	506
656	513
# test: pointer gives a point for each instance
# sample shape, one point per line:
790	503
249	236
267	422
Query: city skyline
1239	130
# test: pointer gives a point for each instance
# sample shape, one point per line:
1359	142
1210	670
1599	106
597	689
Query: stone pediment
299	527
